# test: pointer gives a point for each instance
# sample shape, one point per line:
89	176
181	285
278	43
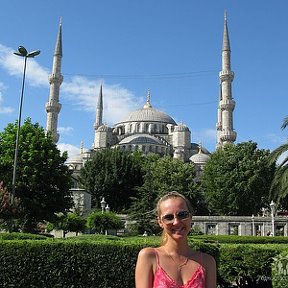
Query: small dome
200	157
76	159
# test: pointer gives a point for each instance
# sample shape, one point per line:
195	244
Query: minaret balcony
226	75
227	104
55	79
228	136
218	126
53	107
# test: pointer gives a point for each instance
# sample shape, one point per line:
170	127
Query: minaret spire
99	110
225	131
53	106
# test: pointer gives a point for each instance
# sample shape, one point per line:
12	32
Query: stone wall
241	225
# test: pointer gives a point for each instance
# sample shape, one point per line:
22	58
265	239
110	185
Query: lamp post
103	204
272	206
253	224
107	208
22	52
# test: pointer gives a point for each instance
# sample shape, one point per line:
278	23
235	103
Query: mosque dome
149	114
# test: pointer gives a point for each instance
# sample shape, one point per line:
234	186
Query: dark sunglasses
169	218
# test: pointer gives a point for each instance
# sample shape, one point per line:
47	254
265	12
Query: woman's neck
178	247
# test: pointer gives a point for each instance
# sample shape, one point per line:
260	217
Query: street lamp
22	52
107	208
103	204
253	224
272	206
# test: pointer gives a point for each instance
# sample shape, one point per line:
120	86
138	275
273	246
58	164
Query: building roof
148	114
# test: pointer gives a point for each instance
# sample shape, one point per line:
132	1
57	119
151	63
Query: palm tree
279	187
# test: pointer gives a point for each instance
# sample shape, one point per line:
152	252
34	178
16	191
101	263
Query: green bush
280	270
73	263
23	236
100	222
109	261
248	265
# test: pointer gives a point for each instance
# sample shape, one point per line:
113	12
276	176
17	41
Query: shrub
100	222
280	270
248	265
23	236
75	263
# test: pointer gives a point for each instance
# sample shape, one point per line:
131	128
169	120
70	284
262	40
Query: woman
174	264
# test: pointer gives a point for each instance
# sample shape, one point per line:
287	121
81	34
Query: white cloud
82	92
207	134
71	149
117	100
36	74
3	109
276	139
65	130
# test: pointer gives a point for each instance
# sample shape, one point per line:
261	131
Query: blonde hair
170	195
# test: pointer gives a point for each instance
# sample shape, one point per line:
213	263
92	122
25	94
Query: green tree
70	222
8	212
100	221
237	179
170	174
162	175
142	209
279	187
43	180
112	174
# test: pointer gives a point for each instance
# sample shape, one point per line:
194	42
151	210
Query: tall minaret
99	110
225	131
53	106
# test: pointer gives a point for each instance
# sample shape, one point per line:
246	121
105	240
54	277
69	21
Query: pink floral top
163	280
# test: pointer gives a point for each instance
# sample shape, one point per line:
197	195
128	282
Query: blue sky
171	47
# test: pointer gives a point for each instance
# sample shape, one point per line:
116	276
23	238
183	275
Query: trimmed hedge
23	236
248	265
72	263
109	261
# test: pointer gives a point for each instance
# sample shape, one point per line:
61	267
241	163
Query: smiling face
178	227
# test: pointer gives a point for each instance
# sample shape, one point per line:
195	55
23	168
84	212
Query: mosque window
137	127
146	127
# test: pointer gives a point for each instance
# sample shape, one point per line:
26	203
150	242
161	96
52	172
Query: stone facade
240	225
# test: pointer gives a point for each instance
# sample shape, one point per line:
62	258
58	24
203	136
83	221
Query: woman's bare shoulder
147	253
205	259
